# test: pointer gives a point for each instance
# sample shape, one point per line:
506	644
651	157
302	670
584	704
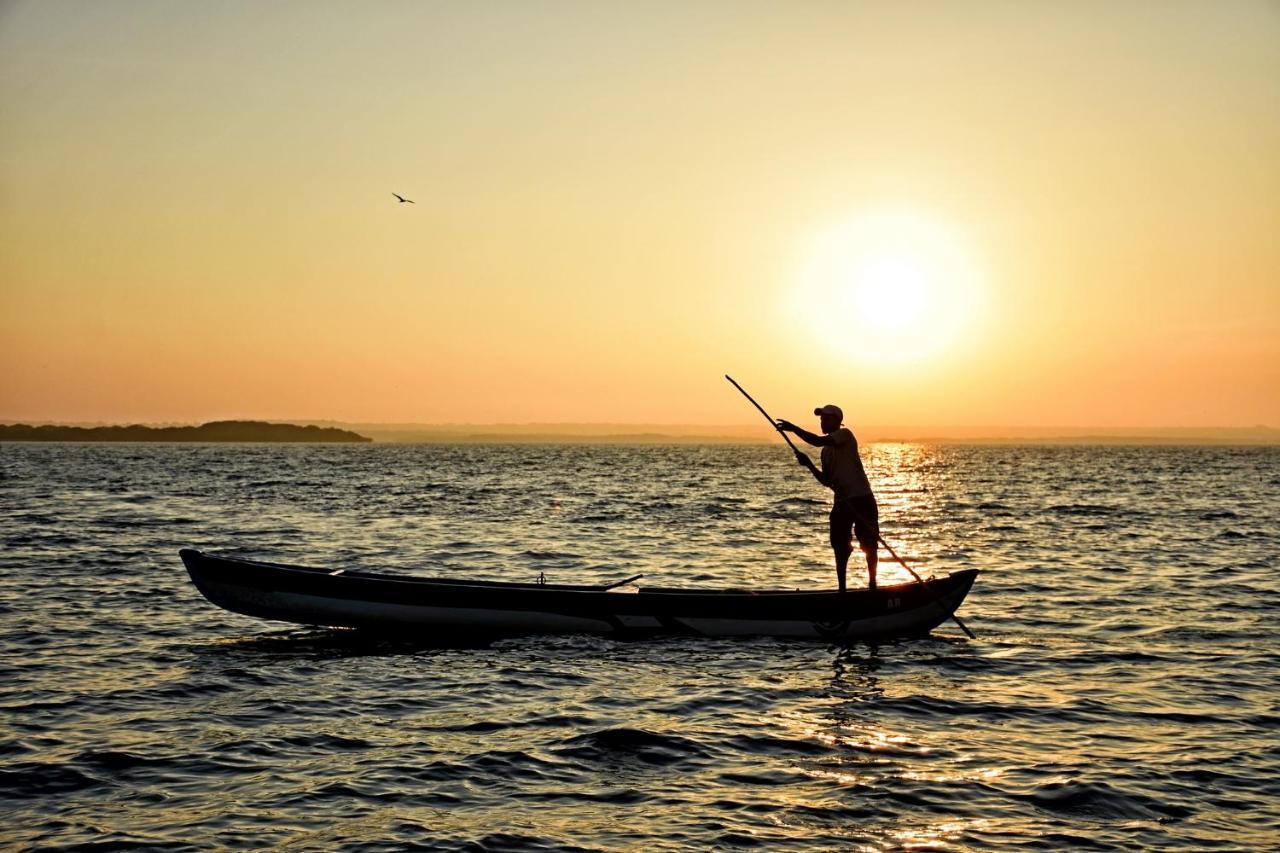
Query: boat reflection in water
870	773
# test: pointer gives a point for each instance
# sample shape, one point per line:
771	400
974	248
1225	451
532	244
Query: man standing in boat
854	512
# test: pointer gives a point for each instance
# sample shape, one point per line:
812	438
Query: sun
886	287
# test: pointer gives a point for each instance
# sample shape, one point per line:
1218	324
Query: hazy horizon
742	432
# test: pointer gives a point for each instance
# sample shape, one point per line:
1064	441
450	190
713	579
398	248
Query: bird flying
404	200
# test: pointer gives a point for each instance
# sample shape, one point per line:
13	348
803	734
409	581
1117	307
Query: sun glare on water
890	287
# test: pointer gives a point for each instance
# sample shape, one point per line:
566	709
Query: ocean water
1123	691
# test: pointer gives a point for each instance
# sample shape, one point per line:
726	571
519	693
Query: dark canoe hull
405	605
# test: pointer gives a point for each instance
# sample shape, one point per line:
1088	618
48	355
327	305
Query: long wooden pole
889	548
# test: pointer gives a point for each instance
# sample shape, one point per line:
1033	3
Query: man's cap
829	409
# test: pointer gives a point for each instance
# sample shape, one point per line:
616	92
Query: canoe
402	605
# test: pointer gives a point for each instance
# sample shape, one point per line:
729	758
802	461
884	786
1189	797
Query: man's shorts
858	517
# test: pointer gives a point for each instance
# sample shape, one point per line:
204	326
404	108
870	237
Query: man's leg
841	541
867	528
842	564
873	559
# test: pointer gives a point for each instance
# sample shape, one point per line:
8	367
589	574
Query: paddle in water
865	522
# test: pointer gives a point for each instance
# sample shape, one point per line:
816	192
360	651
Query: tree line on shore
212	431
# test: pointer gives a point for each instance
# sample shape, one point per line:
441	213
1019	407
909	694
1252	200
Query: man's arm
810	438
803	459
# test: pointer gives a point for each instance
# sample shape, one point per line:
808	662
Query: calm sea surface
1124	690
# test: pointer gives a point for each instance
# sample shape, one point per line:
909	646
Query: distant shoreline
310	431
215	431
574	433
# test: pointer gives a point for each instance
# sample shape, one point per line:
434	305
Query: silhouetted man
854	511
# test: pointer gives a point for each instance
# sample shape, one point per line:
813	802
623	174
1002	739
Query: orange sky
618	203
